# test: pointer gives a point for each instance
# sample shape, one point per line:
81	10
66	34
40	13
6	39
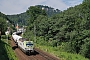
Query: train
24	44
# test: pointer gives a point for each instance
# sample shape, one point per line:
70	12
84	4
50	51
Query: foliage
3	25
85	50
22	18
10	53
49	10
3	52
6	52
18	18
71	26
34	12
62	55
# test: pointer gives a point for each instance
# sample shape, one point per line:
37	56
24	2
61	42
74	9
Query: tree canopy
70	26
3	24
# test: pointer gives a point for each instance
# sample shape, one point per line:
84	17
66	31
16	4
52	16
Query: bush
3	36
6	52
53	43
40	40
68	47
62	55
85	49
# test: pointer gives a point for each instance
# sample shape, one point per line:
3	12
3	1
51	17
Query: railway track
37	55
46	55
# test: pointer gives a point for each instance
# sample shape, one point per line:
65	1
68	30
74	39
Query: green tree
34	12
2	26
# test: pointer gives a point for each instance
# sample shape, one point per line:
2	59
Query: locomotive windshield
29	44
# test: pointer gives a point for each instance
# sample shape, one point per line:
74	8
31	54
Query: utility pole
34	32
7	34
0	35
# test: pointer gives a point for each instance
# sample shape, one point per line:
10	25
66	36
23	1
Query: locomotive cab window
29	44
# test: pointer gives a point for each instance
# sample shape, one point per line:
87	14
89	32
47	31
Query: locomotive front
29	47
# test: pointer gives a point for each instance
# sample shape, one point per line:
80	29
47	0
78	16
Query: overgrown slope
71	27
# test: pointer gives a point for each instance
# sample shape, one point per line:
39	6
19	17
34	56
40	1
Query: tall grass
6	52
56	51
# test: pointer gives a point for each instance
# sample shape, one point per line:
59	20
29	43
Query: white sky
19	6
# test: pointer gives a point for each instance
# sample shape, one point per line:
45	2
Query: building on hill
49	10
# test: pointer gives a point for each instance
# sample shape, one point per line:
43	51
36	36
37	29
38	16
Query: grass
3	53
6	52
62	55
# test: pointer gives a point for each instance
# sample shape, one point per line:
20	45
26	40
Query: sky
10	7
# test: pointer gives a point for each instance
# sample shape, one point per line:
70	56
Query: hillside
66	32
49	10
21	18
69	30
3	23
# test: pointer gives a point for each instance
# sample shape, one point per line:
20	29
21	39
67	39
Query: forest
69	29
23	17
3	24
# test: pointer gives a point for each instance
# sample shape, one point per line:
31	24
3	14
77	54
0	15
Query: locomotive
23	43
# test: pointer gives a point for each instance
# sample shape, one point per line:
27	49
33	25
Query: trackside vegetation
6	51
62	55
70	30
66	34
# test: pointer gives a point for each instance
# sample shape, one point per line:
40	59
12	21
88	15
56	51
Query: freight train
24	44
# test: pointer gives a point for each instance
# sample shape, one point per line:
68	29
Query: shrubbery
71	26
6	52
